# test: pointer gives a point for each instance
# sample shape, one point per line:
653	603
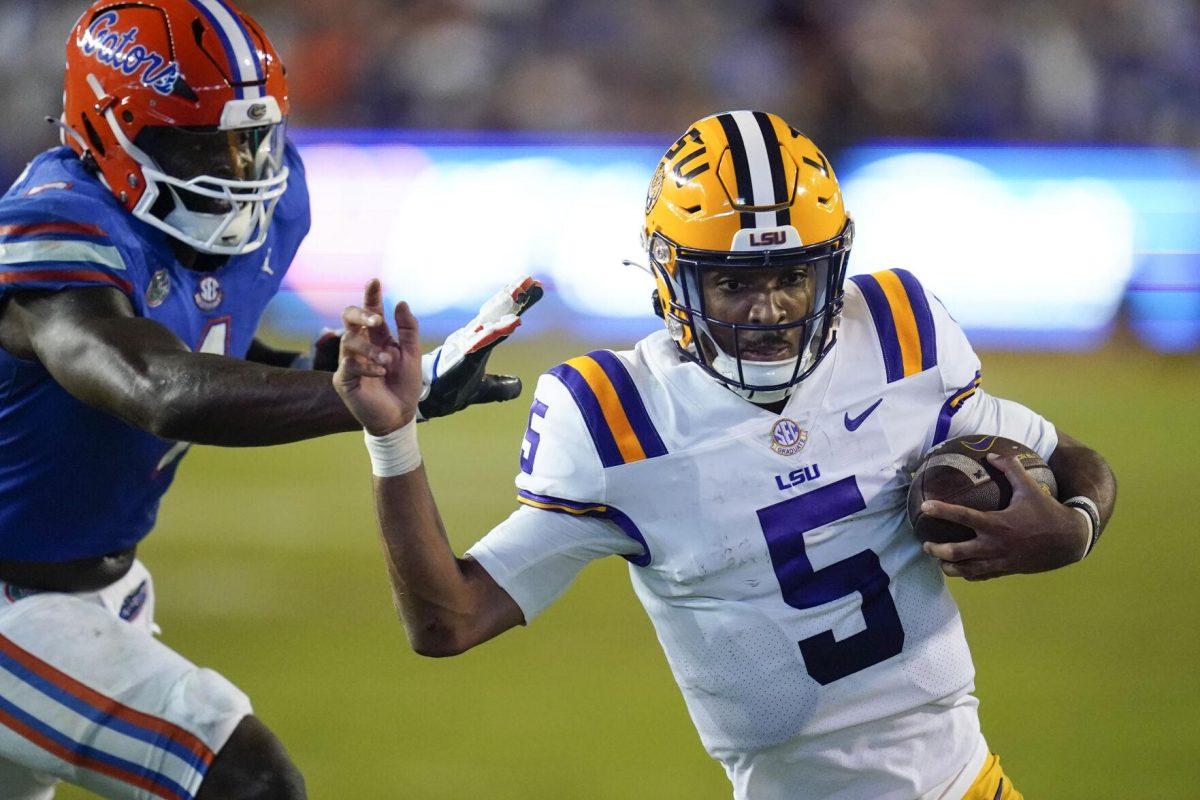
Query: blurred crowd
1123	71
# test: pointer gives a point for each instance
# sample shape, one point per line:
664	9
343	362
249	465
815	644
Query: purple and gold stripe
612	408
952	406
614	515
903	320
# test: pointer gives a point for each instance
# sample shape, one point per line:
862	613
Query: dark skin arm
1035	533
448	604
97	349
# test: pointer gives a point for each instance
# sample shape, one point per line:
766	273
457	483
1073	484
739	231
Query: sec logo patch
208	296
787	437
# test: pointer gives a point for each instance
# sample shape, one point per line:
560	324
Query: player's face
767	296
188	153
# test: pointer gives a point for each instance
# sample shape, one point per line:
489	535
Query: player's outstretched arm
448	605
95	347
1035	533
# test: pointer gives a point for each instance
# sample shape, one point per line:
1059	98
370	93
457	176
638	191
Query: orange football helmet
180	105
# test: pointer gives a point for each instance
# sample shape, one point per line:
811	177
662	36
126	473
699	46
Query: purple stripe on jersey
948	411
593	415
881	312
614	515
631	401
90	758
924	316
557	501
99	716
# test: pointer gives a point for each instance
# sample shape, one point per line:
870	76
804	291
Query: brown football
957	471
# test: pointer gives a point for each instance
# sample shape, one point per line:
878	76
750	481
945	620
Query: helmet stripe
762	187
240	48
775	161
741	166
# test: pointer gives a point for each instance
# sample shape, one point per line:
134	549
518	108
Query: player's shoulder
56	185
601	403
294	208
59	224
894	329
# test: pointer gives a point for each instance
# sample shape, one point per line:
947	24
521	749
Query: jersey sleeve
47	244
534	555
565	521
966	408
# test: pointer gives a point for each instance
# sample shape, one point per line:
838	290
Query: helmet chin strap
201	226
760	373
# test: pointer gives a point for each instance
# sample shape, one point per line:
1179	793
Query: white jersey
816	645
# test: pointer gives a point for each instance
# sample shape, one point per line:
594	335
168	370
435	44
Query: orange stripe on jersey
45	228
610	405
906	321
80	275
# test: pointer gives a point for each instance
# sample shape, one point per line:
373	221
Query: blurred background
1035	164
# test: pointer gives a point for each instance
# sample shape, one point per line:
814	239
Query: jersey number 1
215	341
784	525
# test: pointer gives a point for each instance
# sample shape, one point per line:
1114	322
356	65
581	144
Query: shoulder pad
53	240
903	321
612	408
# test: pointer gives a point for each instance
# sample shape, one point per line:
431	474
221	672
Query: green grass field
268	570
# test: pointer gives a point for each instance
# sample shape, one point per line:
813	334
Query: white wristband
1087	507
396	453
1091	529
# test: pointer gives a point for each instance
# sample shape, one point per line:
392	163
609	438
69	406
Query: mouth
766	350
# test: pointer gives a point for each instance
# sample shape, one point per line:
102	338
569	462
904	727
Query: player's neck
774	408
190	258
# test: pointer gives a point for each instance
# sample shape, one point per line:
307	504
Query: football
957	471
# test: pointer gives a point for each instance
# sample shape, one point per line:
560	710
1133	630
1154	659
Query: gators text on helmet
180	104
745	190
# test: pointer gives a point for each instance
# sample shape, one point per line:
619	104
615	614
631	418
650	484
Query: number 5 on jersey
784	525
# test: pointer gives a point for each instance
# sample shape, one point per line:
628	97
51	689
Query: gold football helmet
743	189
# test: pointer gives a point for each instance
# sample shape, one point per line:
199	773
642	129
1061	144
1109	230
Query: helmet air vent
93	137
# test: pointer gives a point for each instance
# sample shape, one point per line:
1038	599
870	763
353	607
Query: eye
729	284
795	277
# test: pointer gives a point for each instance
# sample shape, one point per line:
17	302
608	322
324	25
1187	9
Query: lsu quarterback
751	463
135	263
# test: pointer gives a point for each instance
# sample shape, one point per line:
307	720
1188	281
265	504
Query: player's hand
1035	533
378	375
455	374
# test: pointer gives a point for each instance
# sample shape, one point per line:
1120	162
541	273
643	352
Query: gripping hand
455	375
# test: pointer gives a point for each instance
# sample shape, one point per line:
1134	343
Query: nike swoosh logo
852	424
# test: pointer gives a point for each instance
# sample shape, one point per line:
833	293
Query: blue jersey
75	481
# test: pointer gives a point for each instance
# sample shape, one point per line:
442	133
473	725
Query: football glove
455	374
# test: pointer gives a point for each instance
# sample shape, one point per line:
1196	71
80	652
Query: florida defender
135	263
751	463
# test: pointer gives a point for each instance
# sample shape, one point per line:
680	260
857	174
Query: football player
751	462
135	263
